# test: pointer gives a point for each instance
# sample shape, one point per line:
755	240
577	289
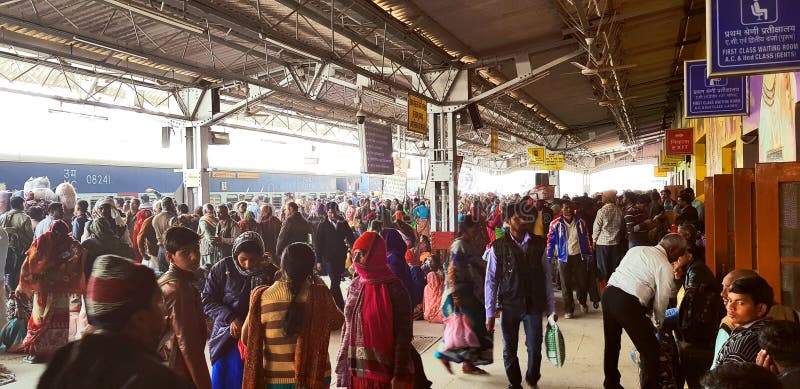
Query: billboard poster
708	97
752	36
774	104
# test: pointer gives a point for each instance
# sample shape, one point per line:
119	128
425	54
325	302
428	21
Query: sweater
279	349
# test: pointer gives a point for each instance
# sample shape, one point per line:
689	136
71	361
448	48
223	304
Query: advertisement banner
417	114
679	141
376	149
536	156
752	36
707	97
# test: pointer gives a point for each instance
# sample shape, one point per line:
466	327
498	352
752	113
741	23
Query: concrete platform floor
583	368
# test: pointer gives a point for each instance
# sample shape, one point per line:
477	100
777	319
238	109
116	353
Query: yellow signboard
667	162
494	142
536	156
249	176
223	175
417	114
552	162
658	172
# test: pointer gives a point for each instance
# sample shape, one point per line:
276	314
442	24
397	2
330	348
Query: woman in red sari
53	269
375	351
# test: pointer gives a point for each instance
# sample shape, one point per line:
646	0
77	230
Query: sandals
446	364
473	370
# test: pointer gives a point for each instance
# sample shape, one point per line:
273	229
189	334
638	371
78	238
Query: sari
53	269
372	355
461	283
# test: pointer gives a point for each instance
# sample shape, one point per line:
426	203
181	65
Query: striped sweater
279	350
742	346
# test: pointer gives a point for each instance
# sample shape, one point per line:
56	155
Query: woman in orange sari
53	269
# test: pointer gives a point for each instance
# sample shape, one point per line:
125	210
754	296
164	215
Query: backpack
699	315
14	237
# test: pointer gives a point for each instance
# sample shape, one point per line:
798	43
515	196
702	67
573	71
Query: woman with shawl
248	222
289	326
413	277
463	296
104	240
269	227
375	351
226	299
416	253
434	289
226	232
207	229
140	217
53	269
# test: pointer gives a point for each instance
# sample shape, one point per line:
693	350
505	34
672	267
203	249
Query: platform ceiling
317	58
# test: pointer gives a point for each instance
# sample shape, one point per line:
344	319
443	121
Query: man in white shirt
644	277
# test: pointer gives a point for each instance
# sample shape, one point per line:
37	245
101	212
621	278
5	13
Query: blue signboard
753	36
706	97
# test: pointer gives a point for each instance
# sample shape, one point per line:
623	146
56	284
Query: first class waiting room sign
716	96
679	141
752	36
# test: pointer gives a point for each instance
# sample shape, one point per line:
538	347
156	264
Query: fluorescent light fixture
83	115
290	48
155	15
102	46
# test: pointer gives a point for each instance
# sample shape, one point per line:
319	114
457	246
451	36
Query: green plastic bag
554	343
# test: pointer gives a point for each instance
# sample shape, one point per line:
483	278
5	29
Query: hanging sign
658	172
552	162
536	156
668	162
494	142
752	36
707	97
376	149
679	141
417	114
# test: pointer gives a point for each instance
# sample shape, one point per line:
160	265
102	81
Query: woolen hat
245	237
117	288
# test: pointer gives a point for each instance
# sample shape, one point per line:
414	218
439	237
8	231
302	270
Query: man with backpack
20	235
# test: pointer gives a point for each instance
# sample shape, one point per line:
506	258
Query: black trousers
335	273
510	319
574	277
623	311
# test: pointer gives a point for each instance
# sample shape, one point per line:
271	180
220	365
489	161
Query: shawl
54	263
369	349
210	220
311	354
141	216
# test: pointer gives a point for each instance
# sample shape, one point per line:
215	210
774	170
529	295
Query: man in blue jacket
568	241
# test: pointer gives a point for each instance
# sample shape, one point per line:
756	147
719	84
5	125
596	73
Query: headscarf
395	244
141	216
258	275
375	267
54	263
102	228
117	289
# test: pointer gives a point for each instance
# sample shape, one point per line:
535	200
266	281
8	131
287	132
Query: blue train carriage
93	182
232	186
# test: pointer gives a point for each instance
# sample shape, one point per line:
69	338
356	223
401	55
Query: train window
215	199
231	198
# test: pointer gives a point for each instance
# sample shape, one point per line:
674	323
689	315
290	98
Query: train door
744	222
719	223
777	193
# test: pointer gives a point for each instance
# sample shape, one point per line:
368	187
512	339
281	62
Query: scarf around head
373	304
54	263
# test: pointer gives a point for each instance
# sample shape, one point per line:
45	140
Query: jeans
623	311
608	259
335	274
510	319
573	277
163	264
12	269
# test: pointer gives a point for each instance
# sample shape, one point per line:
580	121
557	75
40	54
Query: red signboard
442	240
679	141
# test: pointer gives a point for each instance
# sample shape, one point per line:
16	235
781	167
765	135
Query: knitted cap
117	289
245	237
332	206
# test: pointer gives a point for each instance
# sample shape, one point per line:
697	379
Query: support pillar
442	155
195	167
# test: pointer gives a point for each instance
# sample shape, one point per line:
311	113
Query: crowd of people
132	293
